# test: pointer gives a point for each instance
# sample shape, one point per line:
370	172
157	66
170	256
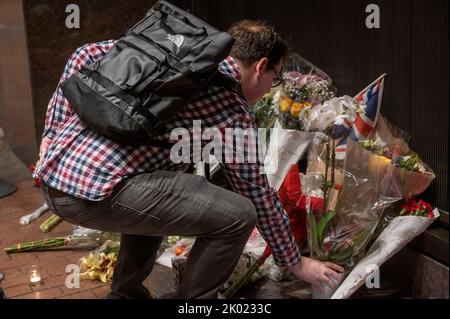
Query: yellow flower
307	104
285	104
98	266
296	109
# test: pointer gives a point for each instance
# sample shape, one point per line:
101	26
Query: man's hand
317	272
45	143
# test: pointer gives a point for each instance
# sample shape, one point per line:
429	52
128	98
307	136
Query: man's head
259	51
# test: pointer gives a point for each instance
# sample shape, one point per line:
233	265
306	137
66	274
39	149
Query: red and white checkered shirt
88	165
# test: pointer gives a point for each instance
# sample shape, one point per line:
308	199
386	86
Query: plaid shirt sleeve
59	109
273	222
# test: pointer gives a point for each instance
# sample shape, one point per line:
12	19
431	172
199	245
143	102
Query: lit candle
35	275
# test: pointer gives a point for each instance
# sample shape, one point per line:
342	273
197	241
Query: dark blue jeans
146	207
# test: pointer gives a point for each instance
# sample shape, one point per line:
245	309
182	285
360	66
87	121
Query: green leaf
342	255
313	234
323	224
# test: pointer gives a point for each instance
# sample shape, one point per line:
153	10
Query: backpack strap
131	100
154	121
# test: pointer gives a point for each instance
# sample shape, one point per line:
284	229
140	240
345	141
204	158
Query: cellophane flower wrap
404	171
397	234
354	199
81	238
376	173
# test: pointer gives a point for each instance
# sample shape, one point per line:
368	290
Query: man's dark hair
256	40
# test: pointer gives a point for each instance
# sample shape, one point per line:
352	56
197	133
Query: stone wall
16	108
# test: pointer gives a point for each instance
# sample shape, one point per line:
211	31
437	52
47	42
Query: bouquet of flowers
363	166
50	223
99	265
396	235
357	195
303	85
404	171
335	114
80	238
50	243
354	200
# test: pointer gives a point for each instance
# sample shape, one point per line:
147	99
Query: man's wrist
297	264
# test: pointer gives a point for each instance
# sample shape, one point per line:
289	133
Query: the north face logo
177	39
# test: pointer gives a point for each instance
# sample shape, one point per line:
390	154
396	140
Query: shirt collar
230	68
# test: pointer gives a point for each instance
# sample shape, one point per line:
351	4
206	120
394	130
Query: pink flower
302	81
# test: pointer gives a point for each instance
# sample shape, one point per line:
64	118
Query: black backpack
150	74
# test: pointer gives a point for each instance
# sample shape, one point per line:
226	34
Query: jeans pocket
127	210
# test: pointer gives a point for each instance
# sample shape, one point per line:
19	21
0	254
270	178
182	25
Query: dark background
411	47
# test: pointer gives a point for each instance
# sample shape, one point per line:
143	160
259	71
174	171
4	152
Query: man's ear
261	66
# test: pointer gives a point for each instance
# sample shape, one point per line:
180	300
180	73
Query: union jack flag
365	122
